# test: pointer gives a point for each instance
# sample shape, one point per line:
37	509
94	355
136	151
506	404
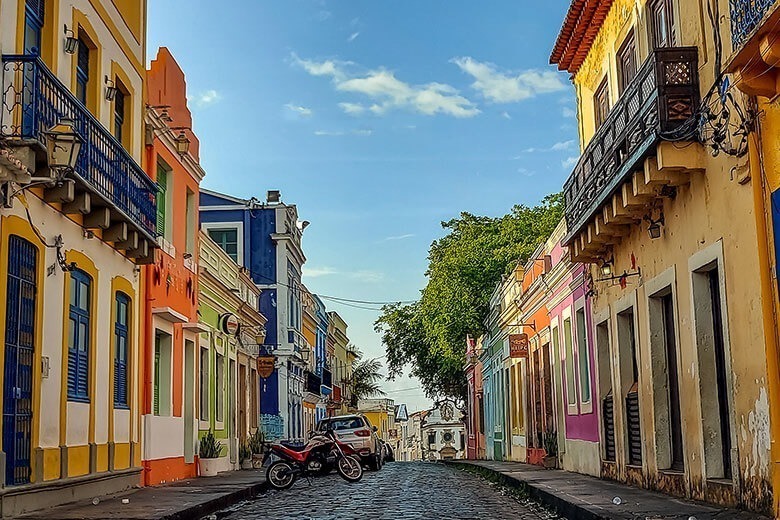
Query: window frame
121	331
583	353
627	63
79	392
82	69
665	7
34	21
601	103
238	225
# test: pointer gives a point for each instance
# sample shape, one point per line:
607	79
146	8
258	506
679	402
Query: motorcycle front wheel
280	475
350	469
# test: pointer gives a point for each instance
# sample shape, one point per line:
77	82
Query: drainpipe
768	307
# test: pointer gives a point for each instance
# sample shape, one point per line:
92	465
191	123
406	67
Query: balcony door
662	23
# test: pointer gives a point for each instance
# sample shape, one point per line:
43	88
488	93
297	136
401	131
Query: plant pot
550	462
208	467
247	464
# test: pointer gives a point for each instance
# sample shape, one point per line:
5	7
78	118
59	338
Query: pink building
475	443
575	371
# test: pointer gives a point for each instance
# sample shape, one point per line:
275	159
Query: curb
559	505
212	506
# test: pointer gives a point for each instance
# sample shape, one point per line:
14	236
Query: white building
443	433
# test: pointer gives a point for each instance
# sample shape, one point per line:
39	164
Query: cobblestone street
402	489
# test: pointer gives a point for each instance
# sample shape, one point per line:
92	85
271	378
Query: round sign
229	324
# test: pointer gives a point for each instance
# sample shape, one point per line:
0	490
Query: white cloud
207	98
302	111
568	112
352	109
388	92
316	272
570	162
363	131
335	133
323	15
556	147
507	87
327	133
353	36
525	172
399	237
368	276
506	115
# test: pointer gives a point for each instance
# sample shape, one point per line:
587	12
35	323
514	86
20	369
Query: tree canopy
464	267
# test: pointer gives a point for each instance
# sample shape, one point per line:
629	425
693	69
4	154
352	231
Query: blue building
324	359
265	238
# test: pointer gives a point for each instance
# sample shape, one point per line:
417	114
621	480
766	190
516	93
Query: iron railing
34	100
313	382
746	17
327	378
662	97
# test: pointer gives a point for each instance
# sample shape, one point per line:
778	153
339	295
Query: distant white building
443	432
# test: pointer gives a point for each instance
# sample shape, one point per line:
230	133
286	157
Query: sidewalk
583	497
181	500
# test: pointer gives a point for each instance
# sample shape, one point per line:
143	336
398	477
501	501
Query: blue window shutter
78	346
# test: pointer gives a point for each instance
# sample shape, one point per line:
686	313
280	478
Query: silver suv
357	431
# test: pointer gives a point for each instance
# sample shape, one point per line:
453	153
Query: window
629	375
583	356
82	71
605	389
121	326
626	58
568	343
204	384
119	113
162	374
677	456
191	216
164	200
432	438
33	23
662	23
220	369
79	336
601	103
227	240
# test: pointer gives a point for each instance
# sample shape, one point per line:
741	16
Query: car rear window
347	423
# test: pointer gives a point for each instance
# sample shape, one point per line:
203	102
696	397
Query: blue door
19	347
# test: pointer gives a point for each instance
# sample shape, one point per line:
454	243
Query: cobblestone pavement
408	490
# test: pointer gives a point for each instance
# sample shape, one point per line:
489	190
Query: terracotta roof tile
583	22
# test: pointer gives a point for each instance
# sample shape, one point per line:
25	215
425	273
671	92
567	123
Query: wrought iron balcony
313	382
661	98
327	378
746	17
34	100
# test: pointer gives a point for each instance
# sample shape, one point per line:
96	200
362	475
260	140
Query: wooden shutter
162	185
157	378
627	62
662	23
608	418
633	428
601	103
37	8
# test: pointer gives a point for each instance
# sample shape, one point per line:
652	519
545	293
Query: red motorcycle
323	451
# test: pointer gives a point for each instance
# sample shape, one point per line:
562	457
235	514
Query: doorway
189	401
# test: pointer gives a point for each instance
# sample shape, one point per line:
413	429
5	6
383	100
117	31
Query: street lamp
71	42
182	143
63	145
260	336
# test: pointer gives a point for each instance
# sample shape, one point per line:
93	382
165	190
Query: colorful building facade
168	356
71	287
475	419
678	308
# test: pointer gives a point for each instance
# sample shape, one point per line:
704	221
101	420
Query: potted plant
550	440
245	456
256	446
210	450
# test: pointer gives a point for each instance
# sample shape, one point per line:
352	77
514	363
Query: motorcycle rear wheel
280	475
350	469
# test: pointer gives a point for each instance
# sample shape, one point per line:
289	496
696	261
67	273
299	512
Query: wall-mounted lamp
71	42
654	229
606	267
187	256
111	89
182	143
63	144
180	140
163	115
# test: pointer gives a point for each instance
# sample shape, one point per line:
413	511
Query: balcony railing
34	100
663	96
313	382
327	378
746	17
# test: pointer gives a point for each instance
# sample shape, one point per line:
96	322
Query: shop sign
229	324
266	366
518	345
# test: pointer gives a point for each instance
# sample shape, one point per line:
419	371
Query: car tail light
363	433
365	452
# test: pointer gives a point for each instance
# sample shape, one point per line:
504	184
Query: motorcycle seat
294	447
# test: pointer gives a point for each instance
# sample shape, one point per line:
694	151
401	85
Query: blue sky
379	119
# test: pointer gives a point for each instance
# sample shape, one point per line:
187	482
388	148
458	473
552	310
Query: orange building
169	375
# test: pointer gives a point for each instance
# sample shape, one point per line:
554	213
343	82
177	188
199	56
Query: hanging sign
518	345
266	366
228	323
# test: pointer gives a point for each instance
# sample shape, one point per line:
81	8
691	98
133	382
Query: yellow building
670	232
74	227
343	356
754	47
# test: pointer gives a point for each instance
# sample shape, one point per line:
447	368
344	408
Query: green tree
366	379
464	268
